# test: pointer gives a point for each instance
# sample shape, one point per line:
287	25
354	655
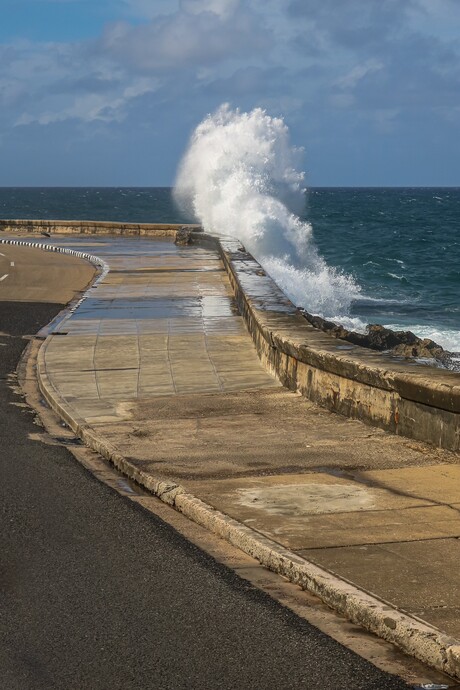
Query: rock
377	337
183	236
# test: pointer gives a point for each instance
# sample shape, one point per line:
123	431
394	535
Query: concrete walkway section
158	363
161	324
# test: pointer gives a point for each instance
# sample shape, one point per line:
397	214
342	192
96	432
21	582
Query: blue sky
108	92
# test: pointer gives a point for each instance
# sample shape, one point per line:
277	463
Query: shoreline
397	343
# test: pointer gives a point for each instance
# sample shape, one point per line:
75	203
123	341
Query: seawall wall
400	396
92	227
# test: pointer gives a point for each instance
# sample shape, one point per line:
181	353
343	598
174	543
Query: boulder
377	337
183	236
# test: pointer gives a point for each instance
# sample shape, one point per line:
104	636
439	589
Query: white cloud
222	8
358	72
90	107
222	30
330	67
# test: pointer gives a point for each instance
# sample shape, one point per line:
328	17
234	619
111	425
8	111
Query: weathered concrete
400	396
93	227
301	479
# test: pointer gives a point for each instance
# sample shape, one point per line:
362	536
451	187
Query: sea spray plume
239	178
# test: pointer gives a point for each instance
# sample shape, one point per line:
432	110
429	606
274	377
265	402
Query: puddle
68	440
142	308
129	487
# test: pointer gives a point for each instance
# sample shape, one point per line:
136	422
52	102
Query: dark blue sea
401	245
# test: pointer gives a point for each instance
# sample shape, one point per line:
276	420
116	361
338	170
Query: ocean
391	255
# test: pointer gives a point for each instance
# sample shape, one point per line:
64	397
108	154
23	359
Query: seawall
400	396
92	227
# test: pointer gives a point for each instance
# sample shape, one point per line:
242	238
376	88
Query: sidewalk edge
412	635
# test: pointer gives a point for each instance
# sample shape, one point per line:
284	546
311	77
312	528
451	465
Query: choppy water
403	248
399	247
129	205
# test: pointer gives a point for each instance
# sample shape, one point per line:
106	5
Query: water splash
239	178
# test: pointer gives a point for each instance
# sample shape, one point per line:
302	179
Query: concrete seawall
90	227
399	396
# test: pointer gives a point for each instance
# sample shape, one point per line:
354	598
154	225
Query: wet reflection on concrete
162	322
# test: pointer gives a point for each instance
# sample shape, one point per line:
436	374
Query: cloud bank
369	87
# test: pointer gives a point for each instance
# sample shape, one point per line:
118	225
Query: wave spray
238	177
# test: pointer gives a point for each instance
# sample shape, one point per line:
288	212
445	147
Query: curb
95	260
102	270
412	635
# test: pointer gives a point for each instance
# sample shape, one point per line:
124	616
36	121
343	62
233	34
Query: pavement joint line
378	543
411	634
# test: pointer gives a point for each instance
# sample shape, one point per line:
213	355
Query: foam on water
446	337
239	177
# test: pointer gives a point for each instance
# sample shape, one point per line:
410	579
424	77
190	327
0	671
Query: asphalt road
37	276
97	594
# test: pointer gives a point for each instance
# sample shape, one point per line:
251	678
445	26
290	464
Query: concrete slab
439	483
418	577
155	316
318	510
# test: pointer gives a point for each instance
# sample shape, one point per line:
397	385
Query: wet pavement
158	361
163	322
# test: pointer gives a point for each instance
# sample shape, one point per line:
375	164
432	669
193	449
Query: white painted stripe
95	260
11	263
1	254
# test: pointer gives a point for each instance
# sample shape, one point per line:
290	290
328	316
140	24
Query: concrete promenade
157	364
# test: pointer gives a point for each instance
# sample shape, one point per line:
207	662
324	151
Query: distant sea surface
402	245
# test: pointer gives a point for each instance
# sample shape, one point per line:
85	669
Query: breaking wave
239	177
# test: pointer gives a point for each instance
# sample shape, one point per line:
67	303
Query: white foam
239	178
448	338
351	323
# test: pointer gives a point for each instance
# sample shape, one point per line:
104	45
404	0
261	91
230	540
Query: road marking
12	263
3	277
2	254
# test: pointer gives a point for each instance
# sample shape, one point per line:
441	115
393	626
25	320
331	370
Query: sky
107	92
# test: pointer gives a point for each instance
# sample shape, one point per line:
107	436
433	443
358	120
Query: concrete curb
95	260
412	635
101	266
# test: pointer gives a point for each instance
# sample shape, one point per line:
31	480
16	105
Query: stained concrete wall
401	396
91	227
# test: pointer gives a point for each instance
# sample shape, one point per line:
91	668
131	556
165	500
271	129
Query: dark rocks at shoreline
377	337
